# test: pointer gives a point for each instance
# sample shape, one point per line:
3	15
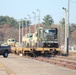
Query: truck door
0	49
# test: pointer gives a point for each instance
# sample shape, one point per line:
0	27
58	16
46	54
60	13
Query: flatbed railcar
43	41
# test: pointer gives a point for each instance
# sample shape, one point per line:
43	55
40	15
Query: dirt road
16	65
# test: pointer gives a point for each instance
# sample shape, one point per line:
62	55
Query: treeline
9	21
12	22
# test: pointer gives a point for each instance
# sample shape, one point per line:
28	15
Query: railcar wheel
20	54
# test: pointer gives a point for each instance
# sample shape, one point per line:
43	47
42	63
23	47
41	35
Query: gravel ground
17	65
3	70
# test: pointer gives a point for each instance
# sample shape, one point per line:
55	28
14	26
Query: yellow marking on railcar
57	49
39	49
26	49
19	48
46	49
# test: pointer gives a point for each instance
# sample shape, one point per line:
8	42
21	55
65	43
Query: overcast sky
19	9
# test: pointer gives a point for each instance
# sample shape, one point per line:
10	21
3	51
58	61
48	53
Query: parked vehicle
11	42
5	50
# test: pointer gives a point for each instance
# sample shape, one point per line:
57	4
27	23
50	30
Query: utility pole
19	33
68	28
26	28
35	21
38	25
29	25
39	18
22	31
29	30
26	25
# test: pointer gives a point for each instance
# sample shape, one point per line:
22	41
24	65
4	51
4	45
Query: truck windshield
50	31
11	40
29	35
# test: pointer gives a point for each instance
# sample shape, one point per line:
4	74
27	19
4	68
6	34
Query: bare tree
11	33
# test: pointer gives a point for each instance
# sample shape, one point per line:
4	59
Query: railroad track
57	61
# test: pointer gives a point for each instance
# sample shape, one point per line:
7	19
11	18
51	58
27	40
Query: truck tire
5	55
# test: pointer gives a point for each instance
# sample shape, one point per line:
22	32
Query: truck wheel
5	55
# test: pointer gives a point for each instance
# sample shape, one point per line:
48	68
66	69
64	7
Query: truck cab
5	50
